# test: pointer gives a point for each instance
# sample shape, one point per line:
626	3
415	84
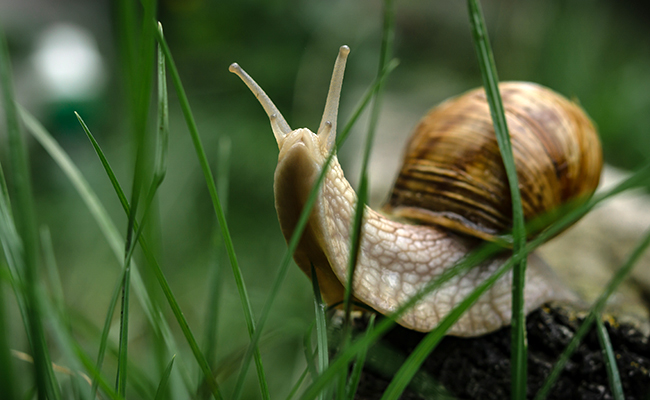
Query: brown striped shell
453	175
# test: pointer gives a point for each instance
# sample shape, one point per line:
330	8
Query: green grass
207	172
519	356
610	361
345	388
184	368
322	350
19	236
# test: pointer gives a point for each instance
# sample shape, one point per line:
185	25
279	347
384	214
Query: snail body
416	239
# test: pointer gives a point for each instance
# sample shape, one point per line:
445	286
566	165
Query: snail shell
453	176
397	257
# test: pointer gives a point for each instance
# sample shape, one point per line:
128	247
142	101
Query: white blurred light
69	63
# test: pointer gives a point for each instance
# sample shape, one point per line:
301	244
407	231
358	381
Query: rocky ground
479	368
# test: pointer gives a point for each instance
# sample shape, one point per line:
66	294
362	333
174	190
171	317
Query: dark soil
479	368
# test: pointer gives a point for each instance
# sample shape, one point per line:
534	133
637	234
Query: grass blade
160	160
209	179
75	354
162	386
519	356
120	384
139	93
6	364
57	315
610	361
296	386
595	312
61	332
26	227
107	167
11	247
215	281
362	193
302	222
105	331
490	79
386	51
355	375
355	242
321	331
310	354
56	286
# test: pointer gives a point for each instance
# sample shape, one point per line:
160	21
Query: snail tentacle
279	125
330	114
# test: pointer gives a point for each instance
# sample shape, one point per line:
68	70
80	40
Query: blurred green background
595	51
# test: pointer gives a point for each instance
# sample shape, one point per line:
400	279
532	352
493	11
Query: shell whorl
453	175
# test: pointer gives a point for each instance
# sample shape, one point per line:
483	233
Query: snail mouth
302	141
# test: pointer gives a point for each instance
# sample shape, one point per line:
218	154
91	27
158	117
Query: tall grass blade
209	179
385	54
74	352
362	193
595	312
11	247
57	315
355	242
310	354
107	167
609	359
216	274
162	139
519	356
122	358
141	381
138	51
162	386
26	228
357	369
58	323
159	171
296	386
321	331
6	363
638	179
103	341
56	286
384	359
151	260
302	222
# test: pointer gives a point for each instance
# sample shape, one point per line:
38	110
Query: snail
450	195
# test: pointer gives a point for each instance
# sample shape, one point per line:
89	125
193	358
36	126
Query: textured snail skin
395	259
